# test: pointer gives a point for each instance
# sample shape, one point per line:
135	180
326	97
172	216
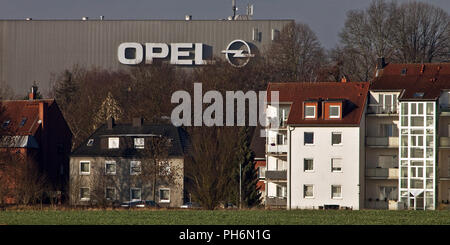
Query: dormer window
310	111
335	111
6	123
90	142
113	143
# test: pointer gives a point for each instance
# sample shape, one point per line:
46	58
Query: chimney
381	63
138	122
32	94
42	113
110	123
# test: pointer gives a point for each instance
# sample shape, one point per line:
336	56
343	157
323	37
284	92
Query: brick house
35	130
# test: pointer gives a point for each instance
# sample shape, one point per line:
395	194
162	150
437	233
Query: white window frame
139	146
164	189
333	197
304	191
131	194
131	167
261	172
339	111
342	165
85	198
332	133
305	170
110	142
114	195
85	173
309	106
106	169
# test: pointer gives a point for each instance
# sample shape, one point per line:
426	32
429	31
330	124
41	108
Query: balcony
274	175
382	109
279	202
382	173
277	148
444	142
382	142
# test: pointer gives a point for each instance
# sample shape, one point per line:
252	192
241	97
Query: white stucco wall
322	178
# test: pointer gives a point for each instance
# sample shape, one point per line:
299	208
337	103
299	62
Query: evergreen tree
245	159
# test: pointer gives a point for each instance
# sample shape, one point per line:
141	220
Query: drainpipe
289	167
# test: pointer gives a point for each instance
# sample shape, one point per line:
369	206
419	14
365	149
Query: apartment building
407	144
315	157
117	164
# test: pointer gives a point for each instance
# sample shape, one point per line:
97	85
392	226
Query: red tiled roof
16	110
429	79
353	94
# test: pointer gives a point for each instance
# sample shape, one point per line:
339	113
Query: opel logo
238	53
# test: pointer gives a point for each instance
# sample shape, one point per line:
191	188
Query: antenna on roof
234	8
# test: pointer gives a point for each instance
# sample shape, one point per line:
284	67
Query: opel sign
237	53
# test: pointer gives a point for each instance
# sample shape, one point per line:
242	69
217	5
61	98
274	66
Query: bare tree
209	166
409	33
422	33
157	168
296	55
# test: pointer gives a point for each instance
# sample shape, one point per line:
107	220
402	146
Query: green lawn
223	217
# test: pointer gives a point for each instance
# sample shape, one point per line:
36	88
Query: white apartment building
408	120
315	159
346	144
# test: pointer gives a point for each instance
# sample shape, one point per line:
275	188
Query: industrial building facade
39	50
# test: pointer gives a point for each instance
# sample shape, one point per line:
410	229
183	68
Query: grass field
223	217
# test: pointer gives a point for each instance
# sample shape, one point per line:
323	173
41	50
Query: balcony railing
444	141
276	174
382	173
277	148
382	109
276	202
382	141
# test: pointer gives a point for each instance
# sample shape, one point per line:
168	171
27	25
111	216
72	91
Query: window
90	142
139	143
388	193
336	165
135	167
308	165
22	123
262	172
310	111
135	194
309	138
113	143
164	195
6	123
110	193
110	167
336	191
84	194
308	191
85	168
336	138
335	111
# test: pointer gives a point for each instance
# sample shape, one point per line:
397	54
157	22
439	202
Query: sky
325	17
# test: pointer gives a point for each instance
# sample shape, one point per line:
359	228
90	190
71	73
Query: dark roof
15	111
352	94
429	79
176	134
258	144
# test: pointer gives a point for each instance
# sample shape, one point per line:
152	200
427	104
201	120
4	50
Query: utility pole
240	185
